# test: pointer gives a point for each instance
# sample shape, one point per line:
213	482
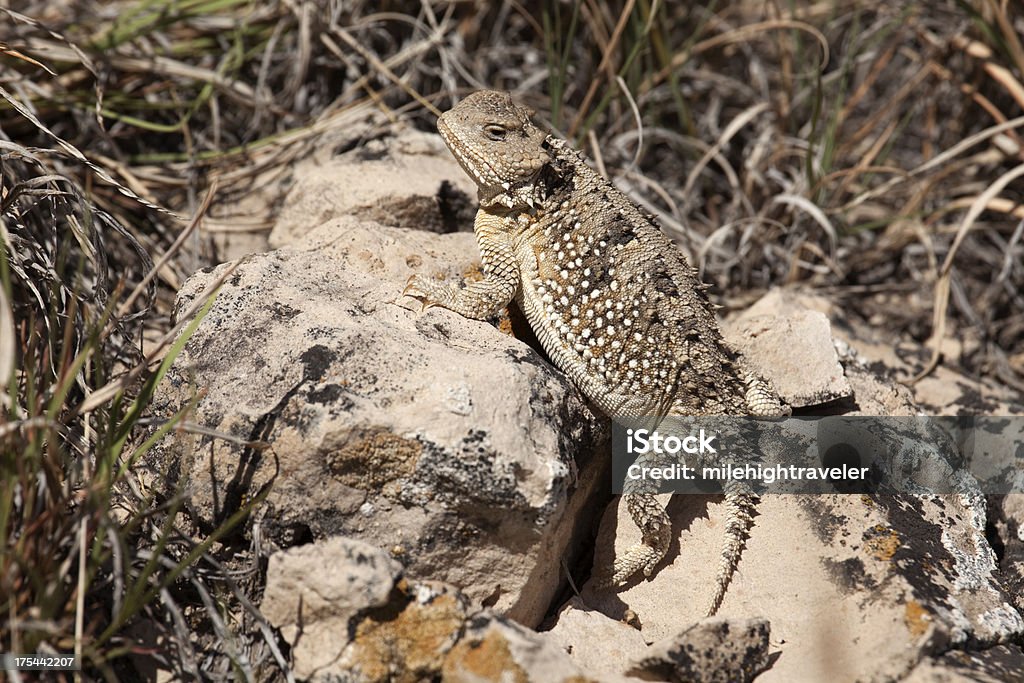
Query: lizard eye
494	131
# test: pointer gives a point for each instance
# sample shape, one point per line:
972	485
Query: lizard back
610	295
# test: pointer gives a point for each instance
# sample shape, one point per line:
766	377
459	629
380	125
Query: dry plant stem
941	304
384	70
8	350
942	158
735	36
170	253
80	597
737	124
74	152
605	60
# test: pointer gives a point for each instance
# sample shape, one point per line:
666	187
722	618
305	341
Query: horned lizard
613	302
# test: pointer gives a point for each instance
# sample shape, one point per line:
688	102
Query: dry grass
779	143
872	153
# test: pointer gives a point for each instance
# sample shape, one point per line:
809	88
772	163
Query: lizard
613	302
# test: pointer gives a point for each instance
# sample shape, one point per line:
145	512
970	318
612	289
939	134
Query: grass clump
90	560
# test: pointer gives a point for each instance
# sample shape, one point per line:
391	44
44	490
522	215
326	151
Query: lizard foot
428	291
656	526
638	558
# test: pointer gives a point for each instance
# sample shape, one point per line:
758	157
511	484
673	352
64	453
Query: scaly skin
613	302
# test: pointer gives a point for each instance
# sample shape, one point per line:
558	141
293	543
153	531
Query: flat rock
596	642
792	346
452	446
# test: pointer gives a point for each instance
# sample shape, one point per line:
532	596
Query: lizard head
497	144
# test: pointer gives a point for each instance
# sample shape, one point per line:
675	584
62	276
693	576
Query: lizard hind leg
656	527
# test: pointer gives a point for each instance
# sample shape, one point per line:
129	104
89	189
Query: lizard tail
740	503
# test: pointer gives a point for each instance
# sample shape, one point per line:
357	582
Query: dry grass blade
74	152
739	35
737	124
384	70
942	287
814	212
1009	34
108	391
606	57
200	213
951	153
25	58
980	204
8	348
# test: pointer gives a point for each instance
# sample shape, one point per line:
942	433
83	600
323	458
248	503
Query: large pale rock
855	587
452	446
398	177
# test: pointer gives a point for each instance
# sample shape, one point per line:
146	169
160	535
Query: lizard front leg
482	299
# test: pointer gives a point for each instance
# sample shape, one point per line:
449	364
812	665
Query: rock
347	615
601	645
1008	522
1000	664
497	650
399	177
407	640
452	446
791	346
873	393
315	592
711	651
855	587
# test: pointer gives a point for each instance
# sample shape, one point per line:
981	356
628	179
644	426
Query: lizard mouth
471	164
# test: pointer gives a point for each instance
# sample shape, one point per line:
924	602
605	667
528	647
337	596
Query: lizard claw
410	287
416	288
